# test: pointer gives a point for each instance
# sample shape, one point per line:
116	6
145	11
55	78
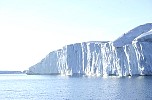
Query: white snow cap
128	37
145	37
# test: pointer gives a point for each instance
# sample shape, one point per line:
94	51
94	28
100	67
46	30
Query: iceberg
130	54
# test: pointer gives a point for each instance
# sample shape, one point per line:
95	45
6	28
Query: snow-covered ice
145	37
128	37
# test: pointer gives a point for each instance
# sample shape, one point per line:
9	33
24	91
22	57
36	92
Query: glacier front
125	56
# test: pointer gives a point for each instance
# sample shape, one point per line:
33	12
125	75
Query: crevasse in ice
128	55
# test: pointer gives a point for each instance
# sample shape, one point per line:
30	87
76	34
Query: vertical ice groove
84	57
138	52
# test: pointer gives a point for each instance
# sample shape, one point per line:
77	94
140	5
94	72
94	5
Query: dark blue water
37	87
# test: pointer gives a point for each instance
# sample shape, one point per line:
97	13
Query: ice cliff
130	54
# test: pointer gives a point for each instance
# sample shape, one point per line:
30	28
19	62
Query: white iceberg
130	54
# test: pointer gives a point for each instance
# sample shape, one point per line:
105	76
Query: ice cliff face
132	57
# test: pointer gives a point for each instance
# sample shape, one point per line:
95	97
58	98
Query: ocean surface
49	87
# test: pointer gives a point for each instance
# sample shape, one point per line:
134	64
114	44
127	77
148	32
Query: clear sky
30	29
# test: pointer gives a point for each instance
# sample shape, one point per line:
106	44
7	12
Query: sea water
50	87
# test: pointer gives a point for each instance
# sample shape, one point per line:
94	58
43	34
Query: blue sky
30	29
